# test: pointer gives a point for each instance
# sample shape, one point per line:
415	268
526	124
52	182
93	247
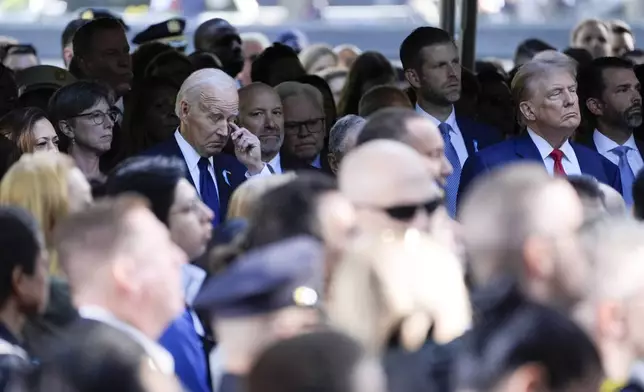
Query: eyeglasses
313	126
406	213
98	117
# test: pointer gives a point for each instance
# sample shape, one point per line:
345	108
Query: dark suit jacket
523	148
590	143
223	163
477	135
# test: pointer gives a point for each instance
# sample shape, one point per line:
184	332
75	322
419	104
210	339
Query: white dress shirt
276	164
161	357
569	161
605	145
192	157
458	141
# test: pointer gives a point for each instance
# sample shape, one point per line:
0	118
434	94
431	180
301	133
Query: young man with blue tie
432	67
612	102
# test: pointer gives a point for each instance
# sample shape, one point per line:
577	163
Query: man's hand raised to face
247	149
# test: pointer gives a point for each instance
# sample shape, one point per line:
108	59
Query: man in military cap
281	289
170	32
37	84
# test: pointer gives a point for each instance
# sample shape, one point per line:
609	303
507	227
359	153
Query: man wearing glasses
304	124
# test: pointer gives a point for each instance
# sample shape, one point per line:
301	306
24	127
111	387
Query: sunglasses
408	212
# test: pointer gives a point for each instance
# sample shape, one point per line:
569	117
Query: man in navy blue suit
207	105
545	90
432	67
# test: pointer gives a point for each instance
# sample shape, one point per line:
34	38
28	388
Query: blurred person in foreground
124	271
329	360
342	138
207	106
175	203
611	312
506	225
381	97
381	296
612	102
25	281
267	294
219	37
545	93
432	67
249	194
593	35
401	197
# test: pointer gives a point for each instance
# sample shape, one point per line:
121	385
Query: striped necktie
451	187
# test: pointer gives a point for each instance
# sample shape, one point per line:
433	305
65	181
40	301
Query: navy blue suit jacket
235	171
523	148
477	135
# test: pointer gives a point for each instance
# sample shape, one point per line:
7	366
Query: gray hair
207	81
255	36
288	89
338	136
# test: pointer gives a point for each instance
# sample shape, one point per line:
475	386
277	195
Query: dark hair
289	210
325	360
388	123
84	36
90	356
8	153
38	98
587	187
155	178
422	37
530	47
205	31
71	100
381	97
369	70
17	126
170	65
263	68
75	69
511	331
580	55
71	29
620	27
20	246
638	196
8	90
144	54
591	79
203	60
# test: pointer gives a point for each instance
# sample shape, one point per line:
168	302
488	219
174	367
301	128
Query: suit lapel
223	176
525	148
640	146
468	131
174	150
588	163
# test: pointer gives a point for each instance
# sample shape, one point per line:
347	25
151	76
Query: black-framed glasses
407	212
98	117
314	125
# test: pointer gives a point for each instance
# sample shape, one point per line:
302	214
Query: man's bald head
207	86
398	167
248	92
505	208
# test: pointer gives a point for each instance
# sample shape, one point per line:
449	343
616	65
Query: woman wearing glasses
84	116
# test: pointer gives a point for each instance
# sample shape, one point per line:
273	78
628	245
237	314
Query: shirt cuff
265	172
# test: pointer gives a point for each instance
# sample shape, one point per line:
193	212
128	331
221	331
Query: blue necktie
625	172
208	190
451	188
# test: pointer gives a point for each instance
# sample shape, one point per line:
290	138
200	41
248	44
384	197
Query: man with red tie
545	90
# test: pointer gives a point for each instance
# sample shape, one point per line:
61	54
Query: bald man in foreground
207	106
402	196
521	225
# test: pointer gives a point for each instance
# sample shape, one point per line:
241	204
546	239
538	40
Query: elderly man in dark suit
207	105
545	89
432	67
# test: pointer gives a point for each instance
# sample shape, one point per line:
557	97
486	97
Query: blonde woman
50	186
247	194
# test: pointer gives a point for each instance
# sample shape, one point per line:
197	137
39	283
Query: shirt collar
604	144
451	120
161	357
193	278
276	163
545	148
317	162
190	155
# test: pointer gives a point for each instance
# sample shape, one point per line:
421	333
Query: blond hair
249	192
39	183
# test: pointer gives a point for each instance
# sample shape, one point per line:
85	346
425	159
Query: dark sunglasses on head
407	212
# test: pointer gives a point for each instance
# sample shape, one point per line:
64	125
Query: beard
632	116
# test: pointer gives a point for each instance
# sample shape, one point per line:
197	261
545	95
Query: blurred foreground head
398	288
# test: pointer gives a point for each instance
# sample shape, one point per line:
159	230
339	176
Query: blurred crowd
292	217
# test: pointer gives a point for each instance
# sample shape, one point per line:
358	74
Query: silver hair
341	129
209	79
256	36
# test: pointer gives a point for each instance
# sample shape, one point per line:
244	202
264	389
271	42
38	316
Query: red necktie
557	155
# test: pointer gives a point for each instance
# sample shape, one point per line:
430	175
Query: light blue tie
625	172
451	188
